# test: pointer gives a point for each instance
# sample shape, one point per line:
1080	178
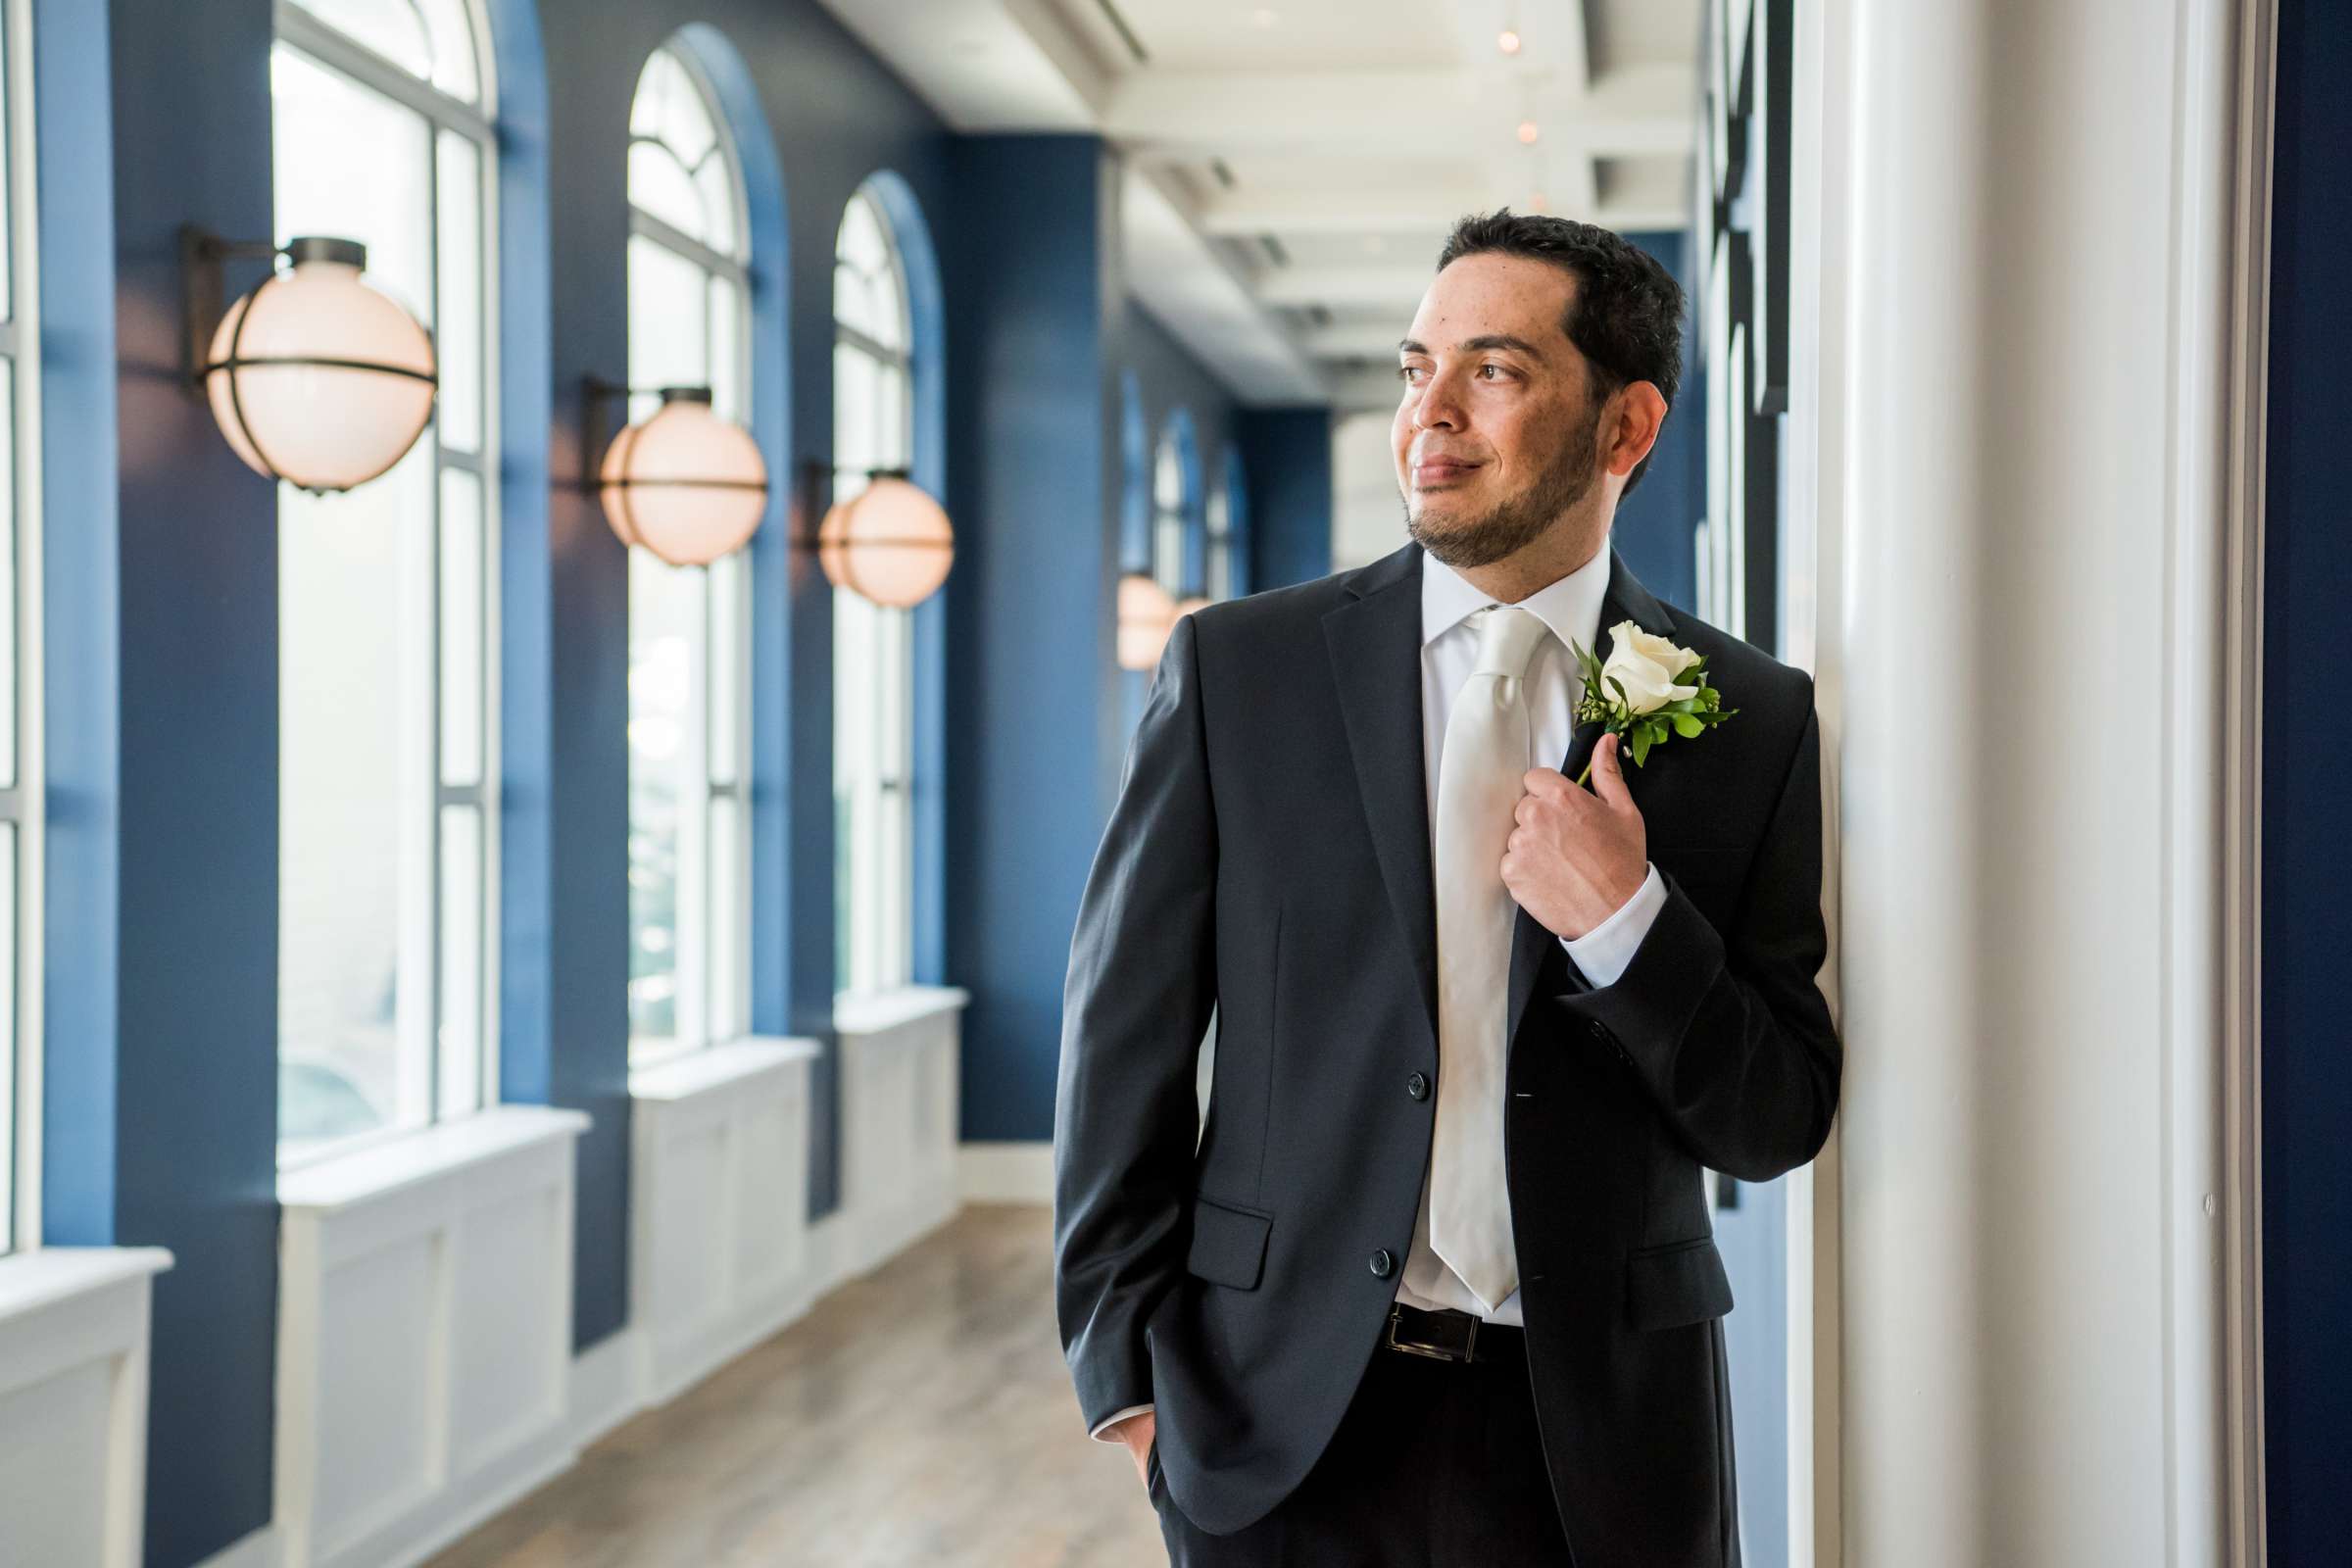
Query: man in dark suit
1437	1283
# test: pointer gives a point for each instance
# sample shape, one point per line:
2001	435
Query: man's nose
1439	406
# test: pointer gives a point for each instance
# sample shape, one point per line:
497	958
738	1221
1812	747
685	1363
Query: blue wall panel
1034	488
195	570
1287	456
1653	526
2306	756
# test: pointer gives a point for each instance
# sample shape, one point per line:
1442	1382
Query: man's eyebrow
1505	340
1485	340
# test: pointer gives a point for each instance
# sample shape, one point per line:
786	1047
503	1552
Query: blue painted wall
1033	311
164	1118
1286	455
1653	526
2306	754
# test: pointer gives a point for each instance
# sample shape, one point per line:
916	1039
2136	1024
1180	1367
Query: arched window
873	696
689	626
20	663
387	738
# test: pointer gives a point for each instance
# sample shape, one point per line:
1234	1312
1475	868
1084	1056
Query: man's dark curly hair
1625	314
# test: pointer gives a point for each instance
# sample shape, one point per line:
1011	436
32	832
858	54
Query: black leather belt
1448	1335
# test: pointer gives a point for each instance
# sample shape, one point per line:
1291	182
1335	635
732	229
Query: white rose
1645	665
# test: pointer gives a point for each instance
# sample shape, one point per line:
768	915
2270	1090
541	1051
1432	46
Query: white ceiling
1293	168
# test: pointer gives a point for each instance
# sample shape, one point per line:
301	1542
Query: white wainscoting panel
73	1403
718	1198
424	1335
900	1056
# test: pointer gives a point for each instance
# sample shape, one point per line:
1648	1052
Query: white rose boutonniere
1648	688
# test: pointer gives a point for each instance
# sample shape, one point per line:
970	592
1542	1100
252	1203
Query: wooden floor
922	1414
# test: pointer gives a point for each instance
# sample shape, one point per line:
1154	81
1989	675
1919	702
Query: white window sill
32	1281
873	1012
691	1074
423	1156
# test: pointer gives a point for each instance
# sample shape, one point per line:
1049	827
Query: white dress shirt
1571	607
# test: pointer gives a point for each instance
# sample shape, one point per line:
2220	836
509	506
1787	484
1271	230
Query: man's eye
1485	368
1406	371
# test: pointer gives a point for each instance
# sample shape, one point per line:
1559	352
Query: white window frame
420	938
713	997
873	660
21	803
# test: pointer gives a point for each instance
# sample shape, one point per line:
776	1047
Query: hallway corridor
921	1414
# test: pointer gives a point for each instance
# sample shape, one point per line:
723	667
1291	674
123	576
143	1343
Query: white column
2026	508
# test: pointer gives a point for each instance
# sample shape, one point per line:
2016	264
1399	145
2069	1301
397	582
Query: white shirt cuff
1604	952
1102	1433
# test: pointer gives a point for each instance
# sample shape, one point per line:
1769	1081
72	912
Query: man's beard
1521	520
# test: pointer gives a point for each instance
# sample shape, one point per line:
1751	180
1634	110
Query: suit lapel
1375	644
1374	639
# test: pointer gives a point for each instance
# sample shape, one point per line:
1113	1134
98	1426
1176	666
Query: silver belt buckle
1436	1353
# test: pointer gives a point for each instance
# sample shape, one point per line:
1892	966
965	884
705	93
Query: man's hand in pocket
1137	1432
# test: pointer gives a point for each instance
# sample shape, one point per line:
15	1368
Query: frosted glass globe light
1146	613
684	483
317	376
890	542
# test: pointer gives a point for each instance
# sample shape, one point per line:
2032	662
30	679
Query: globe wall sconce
682	482
1147	615
890	543
315	376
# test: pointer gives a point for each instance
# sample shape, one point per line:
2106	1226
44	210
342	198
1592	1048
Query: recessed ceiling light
1508	43
1526	131
1263	18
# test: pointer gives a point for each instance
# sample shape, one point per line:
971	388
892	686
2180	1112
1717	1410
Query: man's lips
1437	470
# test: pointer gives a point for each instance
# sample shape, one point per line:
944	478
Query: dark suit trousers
1437	1464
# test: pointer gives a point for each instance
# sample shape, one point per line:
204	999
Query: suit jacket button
1417	1086
1381	1264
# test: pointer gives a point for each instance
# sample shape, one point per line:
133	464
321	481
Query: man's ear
1641	415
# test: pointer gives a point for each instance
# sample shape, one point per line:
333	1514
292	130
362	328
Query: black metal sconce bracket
597	395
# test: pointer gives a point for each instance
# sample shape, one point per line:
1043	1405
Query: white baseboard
1006	1172
261	1550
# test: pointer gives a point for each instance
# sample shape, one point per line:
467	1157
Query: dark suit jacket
1270	852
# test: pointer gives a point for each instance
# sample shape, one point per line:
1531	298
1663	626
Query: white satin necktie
1486	754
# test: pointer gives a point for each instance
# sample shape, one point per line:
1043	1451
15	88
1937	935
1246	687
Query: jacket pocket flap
1229	1243
1682	1282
